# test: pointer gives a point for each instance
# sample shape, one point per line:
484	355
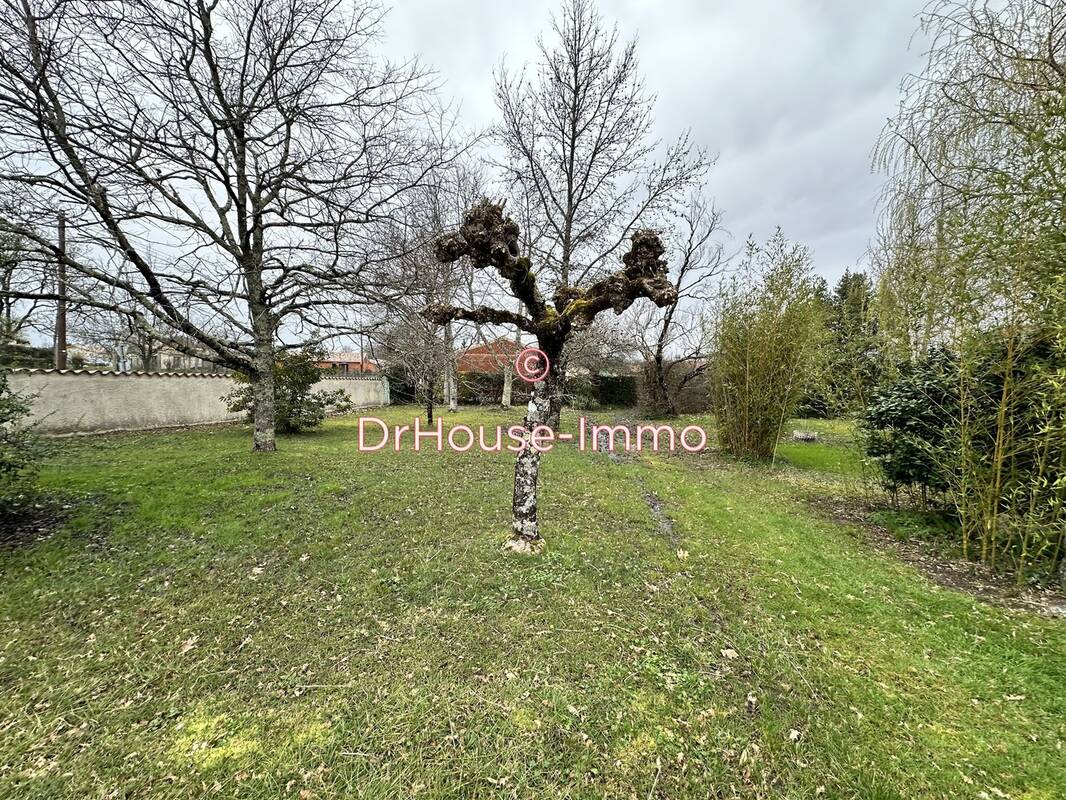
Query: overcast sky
791	94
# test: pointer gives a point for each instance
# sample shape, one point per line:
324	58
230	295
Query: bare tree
490	241
415	347
419	348
116	336
670	339
453	199
603	345
17	316
223	165
422	350
581	155
121	336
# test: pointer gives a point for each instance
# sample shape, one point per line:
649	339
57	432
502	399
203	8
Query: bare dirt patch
655	504
26	519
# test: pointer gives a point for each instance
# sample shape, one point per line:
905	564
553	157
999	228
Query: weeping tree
223	166
972	260
490	241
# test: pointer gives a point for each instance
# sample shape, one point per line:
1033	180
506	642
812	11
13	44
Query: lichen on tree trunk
263	389
554	380
525	531
263	393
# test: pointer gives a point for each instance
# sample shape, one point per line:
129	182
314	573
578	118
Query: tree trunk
659	401
554	384
263	394
264	326
451	377
555	398
451	388
525	533
424	394
61	304
508	378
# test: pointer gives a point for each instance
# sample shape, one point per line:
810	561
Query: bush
581	392
20	447
297	408
27	356
908	425
765	343
984	434
616	390
816	404
401	390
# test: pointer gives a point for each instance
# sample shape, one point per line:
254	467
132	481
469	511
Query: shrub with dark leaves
908	424
297	407
20	446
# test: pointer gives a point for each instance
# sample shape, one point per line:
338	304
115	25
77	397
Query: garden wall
81	401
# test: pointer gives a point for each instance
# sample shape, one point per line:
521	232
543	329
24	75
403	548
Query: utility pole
61	302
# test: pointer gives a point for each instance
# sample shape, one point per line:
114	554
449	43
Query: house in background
489	358
167	359
89	354
347	363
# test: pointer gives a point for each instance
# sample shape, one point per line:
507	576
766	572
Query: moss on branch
489	239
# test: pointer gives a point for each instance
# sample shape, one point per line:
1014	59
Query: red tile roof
347	362
489	358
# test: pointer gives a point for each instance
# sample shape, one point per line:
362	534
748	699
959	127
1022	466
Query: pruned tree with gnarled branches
490	240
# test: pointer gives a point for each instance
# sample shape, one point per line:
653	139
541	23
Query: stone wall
81	401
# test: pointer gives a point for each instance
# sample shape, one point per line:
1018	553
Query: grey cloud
791	94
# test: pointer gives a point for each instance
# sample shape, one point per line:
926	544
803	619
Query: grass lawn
323	623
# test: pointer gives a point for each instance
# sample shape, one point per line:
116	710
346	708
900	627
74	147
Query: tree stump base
525	547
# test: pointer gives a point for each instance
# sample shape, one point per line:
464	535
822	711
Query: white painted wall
78	401
364	391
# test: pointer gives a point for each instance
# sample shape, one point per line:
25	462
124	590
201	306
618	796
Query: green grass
836	452
325	623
